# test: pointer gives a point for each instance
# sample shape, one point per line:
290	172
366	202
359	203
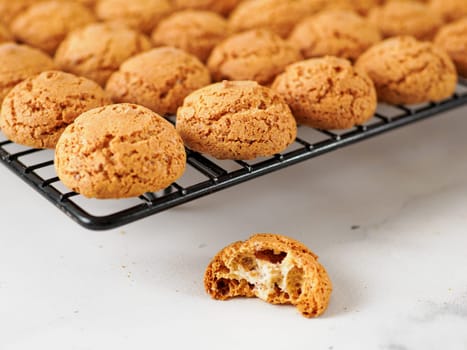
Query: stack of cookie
94	79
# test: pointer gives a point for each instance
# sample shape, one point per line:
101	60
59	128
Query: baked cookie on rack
81	54
236	120
408	71
453	39
158	79
223	7
36	111
194	31
256	54
119	151
45	24
336	33
327	93
18	62
274	268
450	10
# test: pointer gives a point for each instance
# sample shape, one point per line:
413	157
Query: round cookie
223	7
279	16
18	62
256	54
81	54
196	32
327	93
453	39
142	15
158	79
46	24
335	32
236	120
119	151
36	111
406	18
450	10
407	71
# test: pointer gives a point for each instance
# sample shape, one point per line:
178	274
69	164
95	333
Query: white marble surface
400	278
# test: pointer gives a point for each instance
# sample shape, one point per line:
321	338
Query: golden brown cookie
159	79
5	34
142	15
36	111
9	9
327	93
335	32
279	16
256	54
407	71
81	54
46	24
406	18
450	10
194	31
18	62
453	39
236	120
223	7
274	268
89	3
119	151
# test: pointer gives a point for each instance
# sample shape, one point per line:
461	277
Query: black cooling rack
204	175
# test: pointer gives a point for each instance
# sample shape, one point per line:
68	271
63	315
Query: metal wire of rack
204	175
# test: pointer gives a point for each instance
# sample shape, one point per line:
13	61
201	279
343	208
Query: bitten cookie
36	111
223	7
279	16
274	268
257	55
453	39
450	10
327	93
236	120
159	79
142	15
81	54
335	32
196	32
406	18
17	62
407	71
45	24
119	151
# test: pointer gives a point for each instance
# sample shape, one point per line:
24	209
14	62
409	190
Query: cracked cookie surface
158	79
119	151
274	268
36	111
327	93
407	71
236	120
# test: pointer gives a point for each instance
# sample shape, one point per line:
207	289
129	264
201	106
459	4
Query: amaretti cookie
335	32
236	120
194	31
45	24
119	151
142	15
279	16
453	39
450	10
223	7
274	268
327	93
407	71
413	18
36	111
17	62
159	79
81	54
257	55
